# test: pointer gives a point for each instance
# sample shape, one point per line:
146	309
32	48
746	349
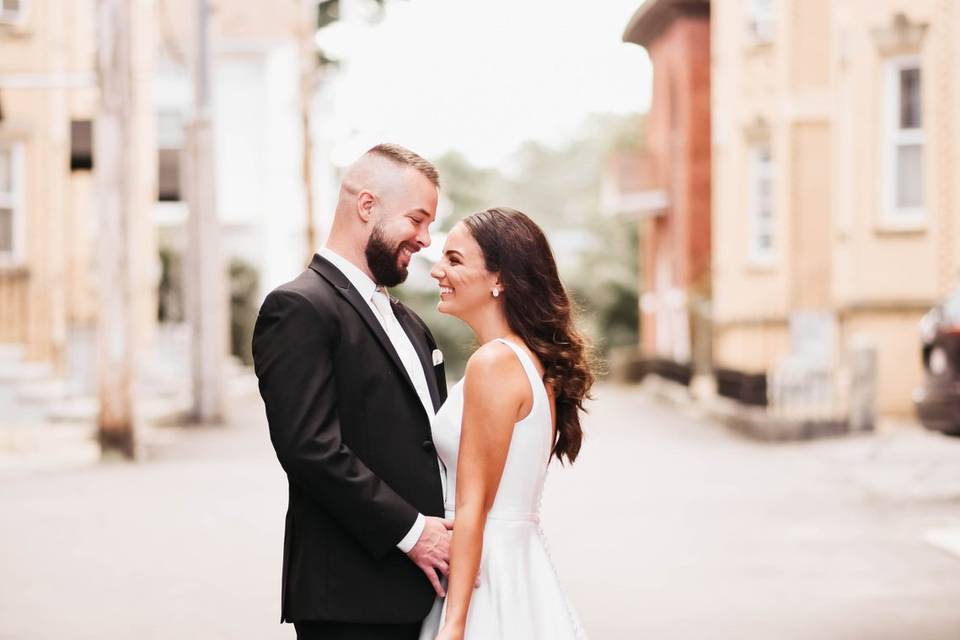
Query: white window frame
761	20
14	17
14	200
894	216
759	170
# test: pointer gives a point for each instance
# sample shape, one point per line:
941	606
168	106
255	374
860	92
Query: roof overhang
654	16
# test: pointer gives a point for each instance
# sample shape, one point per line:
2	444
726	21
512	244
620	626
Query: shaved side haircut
403	156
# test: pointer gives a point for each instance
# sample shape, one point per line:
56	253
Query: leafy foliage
244	284
560	189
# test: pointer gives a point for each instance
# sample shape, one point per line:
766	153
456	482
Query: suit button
428	446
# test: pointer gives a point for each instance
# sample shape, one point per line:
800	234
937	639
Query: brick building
676	232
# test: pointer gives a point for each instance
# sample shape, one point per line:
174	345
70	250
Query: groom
350	380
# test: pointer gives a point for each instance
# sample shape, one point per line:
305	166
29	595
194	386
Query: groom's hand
432	551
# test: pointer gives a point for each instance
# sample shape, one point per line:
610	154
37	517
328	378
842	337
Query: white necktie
401	342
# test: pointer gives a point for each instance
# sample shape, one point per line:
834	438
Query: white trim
761	20
759	170
14	199
892	216
169	213
17	17
641	204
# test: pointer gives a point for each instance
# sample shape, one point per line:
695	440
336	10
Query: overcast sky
482	76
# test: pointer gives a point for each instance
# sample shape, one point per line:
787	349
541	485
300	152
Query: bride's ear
497	288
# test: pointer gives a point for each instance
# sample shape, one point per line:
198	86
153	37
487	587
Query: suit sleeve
293	357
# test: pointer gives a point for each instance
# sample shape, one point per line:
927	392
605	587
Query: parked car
938	399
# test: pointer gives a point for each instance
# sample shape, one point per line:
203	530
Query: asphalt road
668	527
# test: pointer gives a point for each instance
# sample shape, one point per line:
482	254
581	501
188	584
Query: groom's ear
365	202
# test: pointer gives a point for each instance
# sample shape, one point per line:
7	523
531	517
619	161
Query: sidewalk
900	462
49	422
63	443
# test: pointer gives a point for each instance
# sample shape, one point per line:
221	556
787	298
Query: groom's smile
405	253
392	243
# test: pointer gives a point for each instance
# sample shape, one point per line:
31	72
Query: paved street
669	527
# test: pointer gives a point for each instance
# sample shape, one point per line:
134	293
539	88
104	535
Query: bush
244	285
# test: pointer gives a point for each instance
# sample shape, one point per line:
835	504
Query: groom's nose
423	238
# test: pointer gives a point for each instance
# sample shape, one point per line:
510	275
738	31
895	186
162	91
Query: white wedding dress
519	597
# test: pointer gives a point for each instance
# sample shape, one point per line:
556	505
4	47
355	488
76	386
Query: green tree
559	188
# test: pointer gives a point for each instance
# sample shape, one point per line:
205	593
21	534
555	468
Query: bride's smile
465	284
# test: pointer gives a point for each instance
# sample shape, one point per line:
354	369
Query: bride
516	408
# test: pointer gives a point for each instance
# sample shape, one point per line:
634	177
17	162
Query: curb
753	422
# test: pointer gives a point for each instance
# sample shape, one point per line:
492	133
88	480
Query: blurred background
754	204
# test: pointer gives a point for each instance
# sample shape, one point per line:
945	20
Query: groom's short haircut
403	156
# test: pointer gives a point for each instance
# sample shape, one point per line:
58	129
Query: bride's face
465	283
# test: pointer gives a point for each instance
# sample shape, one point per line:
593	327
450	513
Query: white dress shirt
401	343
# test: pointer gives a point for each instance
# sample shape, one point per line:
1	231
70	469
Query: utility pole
115	182
206	293
308	78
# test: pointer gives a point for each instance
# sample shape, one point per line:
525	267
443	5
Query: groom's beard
384	260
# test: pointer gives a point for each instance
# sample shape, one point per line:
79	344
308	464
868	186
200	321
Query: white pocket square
437	357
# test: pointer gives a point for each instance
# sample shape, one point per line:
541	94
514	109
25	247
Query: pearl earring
495	292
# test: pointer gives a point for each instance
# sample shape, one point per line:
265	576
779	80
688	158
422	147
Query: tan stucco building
49	102
835	171
48	214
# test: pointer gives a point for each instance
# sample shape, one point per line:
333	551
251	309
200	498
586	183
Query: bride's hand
447	633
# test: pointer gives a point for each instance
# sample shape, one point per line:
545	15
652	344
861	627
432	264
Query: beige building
835	171
48	214
263	87
48	195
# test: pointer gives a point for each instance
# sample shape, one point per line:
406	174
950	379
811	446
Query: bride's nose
437	272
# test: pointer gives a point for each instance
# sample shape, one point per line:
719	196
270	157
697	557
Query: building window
761	223
11	201
81	145
903	175
169	156
168	178
760	20
12	11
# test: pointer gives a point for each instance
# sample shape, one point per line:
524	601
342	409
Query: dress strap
536	382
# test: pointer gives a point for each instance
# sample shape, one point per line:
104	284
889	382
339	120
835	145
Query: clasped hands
432	551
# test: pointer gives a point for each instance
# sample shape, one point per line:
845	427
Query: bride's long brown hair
538	309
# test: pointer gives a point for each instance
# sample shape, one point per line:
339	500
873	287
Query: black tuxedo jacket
354	439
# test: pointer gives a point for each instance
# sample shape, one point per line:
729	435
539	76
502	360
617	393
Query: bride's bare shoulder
494	357
494	369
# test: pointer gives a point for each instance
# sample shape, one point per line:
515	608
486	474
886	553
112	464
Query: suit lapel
333	275
423	352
